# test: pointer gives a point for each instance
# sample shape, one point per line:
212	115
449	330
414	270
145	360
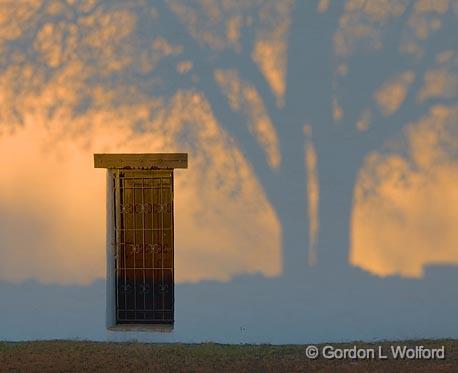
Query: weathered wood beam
146	161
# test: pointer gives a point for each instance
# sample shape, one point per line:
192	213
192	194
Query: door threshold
163	328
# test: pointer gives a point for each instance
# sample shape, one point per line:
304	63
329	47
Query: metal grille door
144	246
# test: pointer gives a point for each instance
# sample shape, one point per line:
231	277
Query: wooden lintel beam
145	161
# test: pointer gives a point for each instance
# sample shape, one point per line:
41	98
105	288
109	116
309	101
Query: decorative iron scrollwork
136	249
149	249
144	288
153	248
139	248
127	208
161	208
125	288
164	288
148	208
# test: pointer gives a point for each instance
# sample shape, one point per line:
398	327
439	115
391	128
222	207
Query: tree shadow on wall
312	90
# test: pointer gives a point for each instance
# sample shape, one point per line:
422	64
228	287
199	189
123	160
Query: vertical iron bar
153	254
162	252
117	221
143	247
172	245
122	185
134	233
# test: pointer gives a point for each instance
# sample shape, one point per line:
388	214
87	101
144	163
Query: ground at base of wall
49	356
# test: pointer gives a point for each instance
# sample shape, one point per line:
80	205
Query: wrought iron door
144	246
